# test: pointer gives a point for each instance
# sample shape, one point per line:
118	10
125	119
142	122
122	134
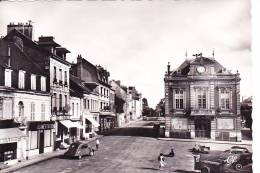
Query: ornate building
202	100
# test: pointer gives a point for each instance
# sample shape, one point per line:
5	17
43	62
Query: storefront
107	121
41	137
68	131
11	145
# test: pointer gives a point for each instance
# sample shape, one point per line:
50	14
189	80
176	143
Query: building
50	57
134	103
96	77
202	100
120	102
25	126
88	106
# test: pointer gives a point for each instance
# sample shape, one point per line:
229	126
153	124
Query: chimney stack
25	29
168	68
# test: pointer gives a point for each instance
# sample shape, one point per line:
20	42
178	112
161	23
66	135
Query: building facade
26	128
202	100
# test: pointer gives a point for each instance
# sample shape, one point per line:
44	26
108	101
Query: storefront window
47	138
34	140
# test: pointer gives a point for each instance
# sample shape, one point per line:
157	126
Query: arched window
21	109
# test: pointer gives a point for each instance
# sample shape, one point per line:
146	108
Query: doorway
202	128
41	142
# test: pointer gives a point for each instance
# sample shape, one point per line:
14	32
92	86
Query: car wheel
205	170
238	166
80	156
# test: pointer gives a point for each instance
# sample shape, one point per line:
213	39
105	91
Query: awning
9	134
93	122
71	124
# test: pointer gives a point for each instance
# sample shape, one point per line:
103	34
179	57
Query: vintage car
78	149
200	149
235	159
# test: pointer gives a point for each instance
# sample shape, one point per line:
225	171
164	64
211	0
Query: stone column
167	109
213	129
192	129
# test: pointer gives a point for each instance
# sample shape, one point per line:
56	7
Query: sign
180	123
41	125
225	123
8	140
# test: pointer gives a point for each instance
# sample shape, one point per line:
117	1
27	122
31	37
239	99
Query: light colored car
79	149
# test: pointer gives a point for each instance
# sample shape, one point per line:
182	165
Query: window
43	83
54	100
43	112
65	76
77	109
202	98
85	103
8	78
60	76
32	111
72	109
66	99
225	100
47	138
21	79
179	99
6	109
34	140
21	109
55	73
60	104
33	82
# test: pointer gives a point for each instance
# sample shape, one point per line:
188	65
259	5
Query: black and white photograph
127	86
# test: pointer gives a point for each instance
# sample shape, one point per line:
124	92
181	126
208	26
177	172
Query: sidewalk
244	142
39	158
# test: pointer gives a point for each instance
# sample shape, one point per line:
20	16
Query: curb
201	141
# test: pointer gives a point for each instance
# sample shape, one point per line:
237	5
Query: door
41	142
202	128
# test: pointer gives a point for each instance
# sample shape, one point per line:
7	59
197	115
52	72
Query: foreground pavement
127	150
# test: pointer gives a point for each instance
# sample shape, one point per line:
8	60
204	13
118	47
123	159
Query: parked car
200	149
78	149
235	159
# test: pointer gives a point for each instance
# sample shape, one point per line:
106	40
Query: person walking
97	144
161	161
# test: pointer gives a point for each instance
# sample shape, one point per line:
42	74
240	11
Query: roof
62	49
33	44
47	40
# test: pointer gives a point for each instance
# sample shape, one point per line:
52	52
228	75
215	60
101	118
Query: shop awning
71	124
10	133
93	122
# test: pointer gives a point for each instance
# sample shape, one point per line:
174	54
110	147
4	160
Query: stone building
202	100
96	77
25	125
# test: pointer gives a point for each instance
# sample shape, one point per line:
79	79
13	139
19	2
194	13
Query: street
130	149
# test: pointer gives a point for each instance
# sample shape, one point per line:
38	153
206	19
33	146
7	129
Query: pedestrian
161	161
97	144
91	152
172	154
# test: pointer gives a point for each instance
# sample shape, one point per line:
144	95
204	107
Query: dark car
78	149
234	159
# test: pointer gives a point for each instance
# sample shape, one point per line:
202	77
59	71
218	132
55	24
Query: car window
85	146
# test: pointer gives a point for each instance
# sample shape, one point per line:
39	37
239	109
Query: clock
201	69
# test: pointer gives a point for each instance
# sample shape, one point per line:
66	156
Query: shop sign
45	126
8	140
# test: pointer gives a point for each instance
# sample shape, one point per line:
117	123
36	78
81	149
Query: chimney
168	68
25	29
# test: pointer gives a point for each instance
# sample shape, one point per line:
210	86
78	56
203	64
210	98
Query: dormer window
33	82
8	77
43	83
21	79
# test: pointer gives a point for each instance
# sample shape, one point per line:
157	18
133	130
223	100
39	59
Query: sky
134	40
